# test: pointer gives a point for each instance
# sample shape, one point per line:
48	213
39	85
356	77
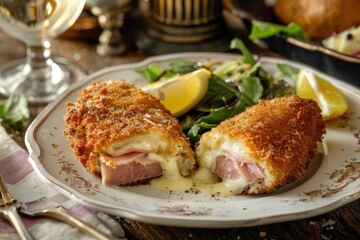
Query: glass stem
38	65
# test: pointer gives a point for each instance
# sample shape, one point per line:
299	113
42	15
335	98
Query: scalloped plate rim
36	153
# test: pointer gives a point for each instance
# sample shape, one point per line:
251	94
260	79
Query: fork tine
9	210
2	202
7	198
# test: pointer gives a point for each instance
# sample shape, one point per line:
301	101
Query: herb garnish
14	111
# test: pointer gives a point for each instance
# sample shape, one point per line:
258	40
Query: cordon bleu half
125	136
265	147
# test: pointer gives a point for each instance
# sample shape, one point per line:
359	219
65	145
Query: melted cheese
147	143
171	178
178	184
202	180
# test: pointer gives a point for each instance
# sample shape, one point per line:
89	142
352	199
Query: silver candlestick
111	14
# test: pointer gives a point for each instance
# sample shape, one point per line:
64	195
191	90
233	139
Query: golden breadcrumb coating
281	135
113	111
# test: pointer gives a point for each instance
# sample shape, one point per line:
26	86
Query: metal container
184	21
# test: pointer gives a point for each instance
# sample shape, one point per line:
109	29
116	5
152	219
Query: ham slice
130	167
129	173
228	167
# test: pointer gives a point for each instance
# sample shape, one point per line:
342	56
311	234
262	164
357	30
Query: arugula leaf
187	121
220	114
288	71
151	73
183	67
261	30
219	94
154	72
195	132
238	44
252	90
15	112
227	69
216	116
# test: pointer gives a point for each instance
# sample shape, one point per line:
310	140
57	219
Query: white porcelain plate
332	180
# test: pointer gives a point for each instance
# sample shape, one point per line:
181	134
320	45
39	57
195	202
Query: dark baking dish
342	66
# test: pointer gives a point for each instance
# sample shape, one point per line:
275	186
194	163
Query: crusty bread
320	18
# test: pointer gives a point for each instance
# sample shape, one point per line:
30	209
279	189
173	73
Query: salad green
261	30
233	86
14	111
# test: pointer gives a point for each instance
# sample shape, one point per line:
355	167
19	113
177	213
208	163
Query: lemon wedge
330	99
181	93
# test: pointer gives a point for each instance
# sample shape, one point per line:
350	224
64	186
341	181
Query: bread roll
320	18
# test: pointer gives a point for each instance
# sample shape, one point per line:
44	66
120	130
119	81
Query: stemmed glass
39	76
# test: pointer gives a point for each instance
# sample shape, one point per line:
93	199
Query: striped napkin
25	186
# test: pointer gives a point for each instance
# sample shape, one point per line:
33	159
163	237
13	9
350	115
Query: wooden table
343	223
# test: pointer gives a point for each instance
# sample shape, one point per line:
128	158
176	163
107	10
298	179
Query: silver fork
59	213
42	208
8	209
